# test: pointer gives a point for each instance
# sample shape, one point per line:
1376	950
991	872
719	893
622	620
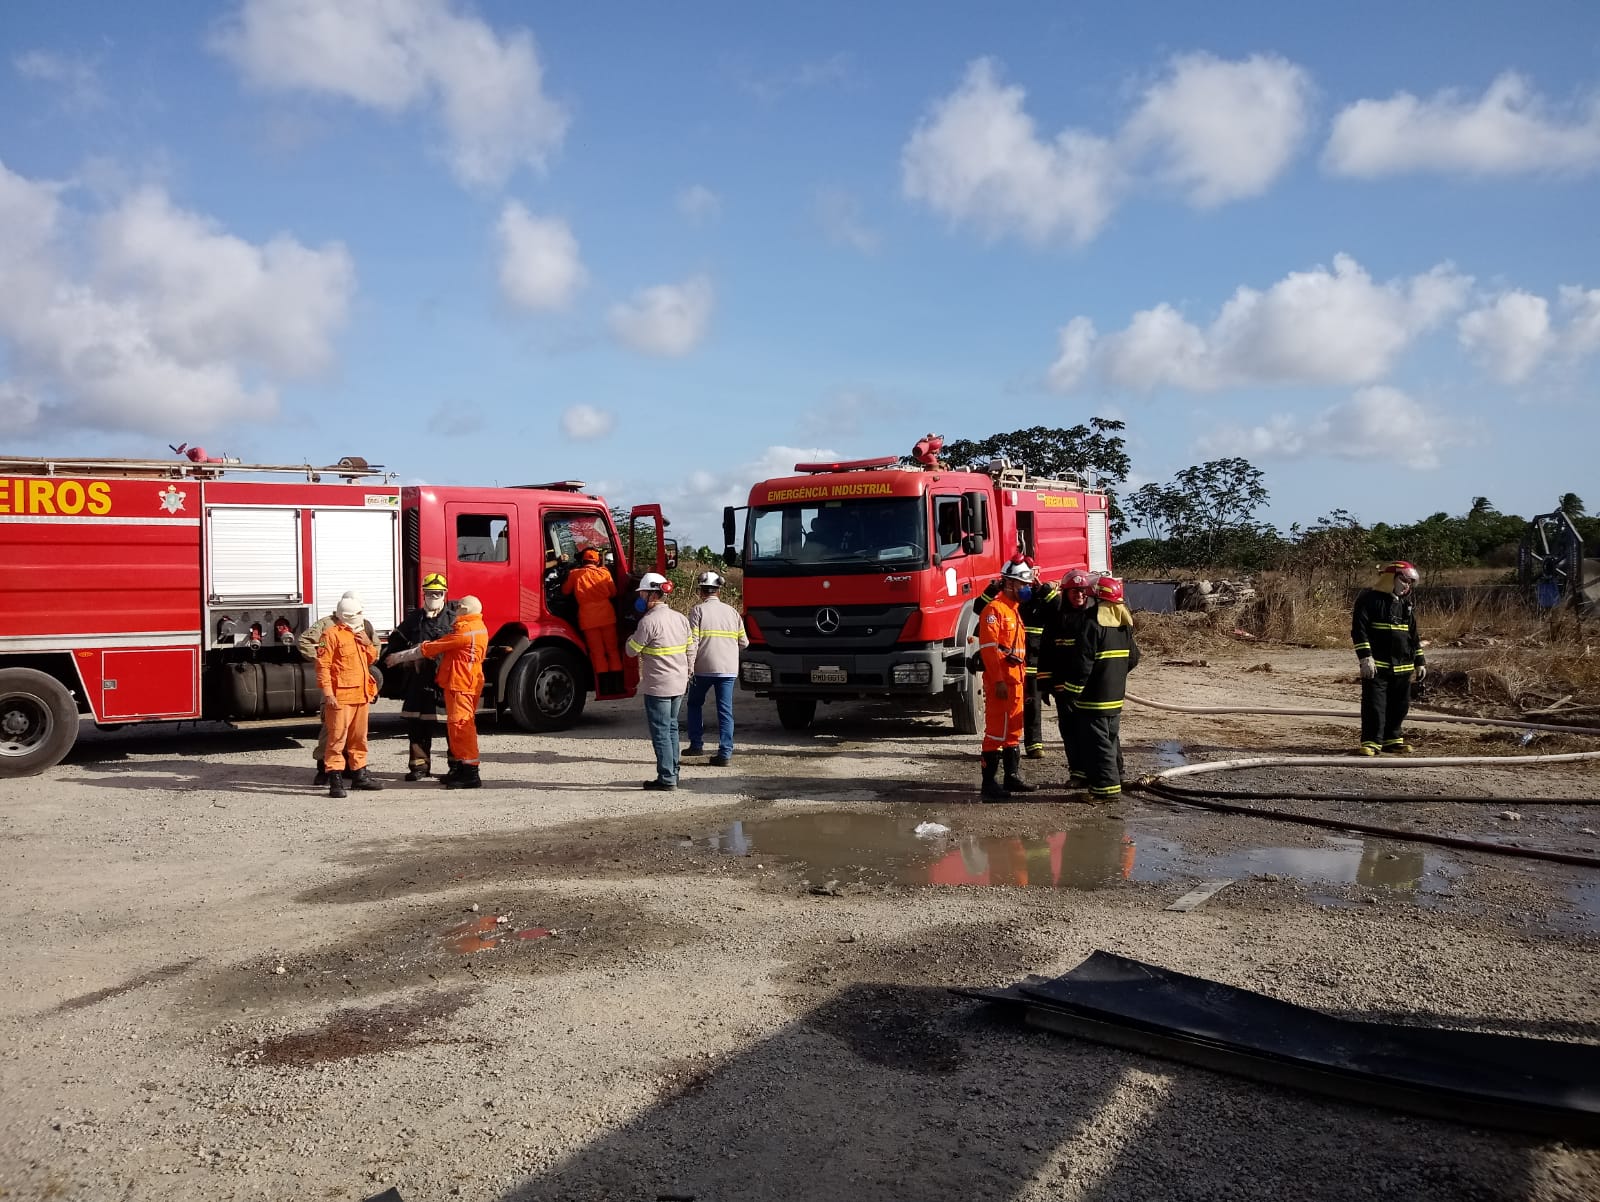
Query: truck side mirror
972	544
730	554
671	545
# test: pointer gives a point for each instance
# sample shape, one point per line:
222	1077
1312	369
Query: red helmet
1108	589
1076	584
1402	570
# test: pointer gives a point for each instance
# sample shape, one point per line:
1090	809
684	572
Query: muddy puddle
360	1031
883	849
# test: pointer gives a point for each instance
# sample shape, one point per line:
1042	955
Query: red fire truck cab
860	577
151	590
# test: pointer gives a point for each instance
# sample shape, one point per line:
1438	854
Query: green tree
1207	516
1097	447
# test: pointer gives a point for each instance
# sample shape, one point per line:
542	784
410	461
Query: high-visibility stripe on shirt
638	650
1098	705
1119	653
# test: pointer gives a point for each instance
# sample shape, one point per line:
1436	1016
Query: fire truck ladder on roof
348	469
1014	476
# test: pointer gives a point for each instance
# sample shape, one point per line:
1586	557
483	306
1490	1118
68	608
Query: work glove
1044	697
1368	668
408	656
1421	673
1002	690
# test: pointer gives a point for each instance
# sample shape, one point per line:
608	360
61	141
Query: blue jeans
661	713
698	688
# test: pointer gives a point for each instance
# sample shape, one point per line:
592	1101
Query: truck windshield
847	536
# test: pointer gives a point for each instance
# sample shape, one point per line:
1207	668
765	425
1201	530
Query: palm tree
1481	508
1572	505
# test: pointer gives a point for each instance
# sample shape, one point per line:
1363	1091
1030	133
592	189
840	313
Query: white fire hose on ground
1159	782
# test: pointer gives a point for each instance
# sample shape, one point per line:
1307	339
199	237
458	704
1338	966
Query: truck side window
483	538
568	535
947	522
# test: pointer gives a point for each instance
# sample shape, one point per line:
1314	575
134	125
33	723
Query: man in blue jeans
718	632
666	654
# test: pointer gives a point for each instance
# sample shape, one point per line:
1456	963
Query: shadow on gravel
889	1092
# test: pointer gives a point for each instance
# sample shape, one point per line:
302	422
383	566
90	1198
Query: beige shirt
719	630
665	652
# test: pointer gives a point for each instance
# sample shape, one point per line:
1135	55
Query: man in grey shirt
666	653
718	630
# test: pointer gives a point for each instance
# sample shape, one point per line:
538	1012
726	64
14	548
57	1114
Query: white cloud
668	320
485	89
1510	130
695	500
839	214
170	326
1220	130
1311	327
540	267
78	79
977	158
1511	336
1514	334
1378	423
584	423
1214	129
699	203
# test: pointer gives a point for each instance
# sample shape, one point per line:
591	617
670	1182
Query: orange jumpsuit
1002	644
460	675
593	586
344	660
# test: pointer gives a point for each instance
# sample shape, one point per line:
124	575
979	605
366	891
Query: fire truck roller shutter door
356	549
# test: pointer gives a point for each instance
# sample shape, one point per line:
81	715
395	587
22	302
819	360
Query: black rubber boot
1013	782
454	771
361	781
992	789
336	785
466	778
321	778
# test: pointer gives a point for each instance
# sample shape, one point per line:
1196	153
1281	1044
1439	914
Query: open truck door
649	549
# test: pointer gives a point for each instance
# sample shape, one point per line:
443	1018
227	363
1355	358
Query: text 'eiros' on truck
154	590
860	577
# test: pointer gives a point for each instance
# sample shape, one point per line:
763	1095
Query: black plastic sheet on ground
1540	1085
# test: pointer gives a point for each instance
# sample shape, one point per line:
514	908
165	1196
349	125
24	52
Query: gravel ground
225	986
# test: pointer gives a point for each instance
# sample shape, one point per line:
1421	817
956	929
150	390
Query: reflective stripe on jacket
1384	627
344	662
461	654
1002	643
665	652
718	630
1097	668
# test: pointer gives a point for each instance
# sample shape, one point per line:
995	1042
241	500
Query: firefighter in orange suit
460	676
592	584
345	655
1002	645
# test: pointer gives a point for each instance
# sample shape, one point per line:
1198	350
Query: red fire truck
860	577
152	590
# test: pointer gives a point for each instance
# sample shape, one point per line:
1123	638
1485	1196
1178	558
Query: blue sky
669	249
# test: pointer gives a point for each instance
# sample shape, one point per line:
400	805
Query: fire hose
1159	784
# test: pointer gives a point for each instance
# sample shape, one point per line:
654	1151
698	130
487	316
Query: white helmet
1017	570
710	580
654	582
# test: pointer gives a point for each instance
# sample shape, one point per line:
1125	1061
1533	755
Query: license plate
829	676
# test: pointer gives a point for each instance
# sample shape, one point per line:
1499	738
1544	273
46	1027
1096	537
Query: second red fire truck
860	576
155	590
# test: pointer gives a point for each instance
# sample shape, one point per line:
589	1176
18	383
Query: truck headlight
911	674
757	673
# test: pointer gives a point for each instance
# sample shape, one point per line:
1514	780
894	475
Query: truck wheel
547	689
38	721
966	708
796	713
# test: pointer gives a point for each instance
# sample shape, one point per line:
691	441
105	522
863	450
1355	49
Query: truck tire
547	689
796	713
966	708
38	721
966	705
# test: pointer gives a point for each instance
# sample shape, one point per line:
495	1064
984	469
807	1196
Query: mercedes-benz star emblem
827	620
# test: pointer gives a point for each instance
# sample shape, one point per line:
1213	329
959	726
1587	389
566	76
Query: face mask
1025	593
345	619
640	605
433	602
